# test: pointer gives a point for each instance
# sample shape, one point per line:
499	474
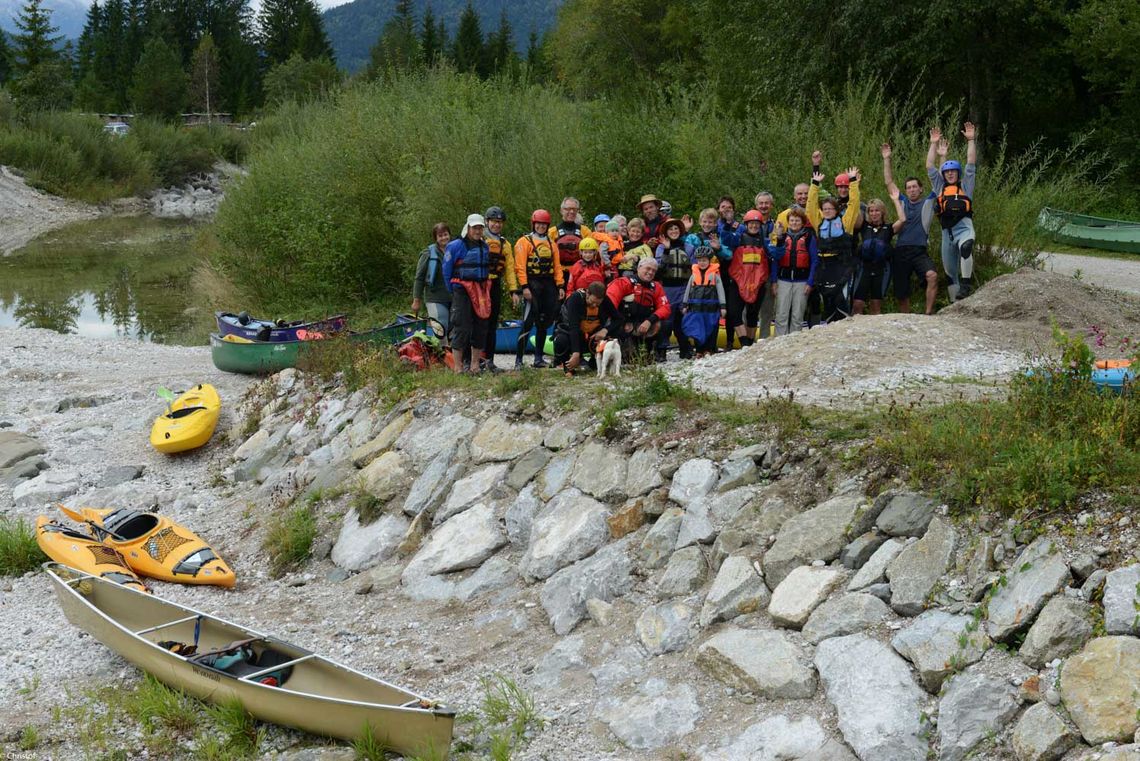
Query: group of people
646	280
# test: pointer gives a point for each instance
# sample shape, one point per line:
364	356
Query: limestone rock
684	574
469	490
1100	686
560	437
759	661
692	481
660	715
658	544
1042	735
360	547
252	445
933	642
875	569
726	543
465	541
496	440
437	480
628	518
737	473
600	611
49	486
119	474
15	447
777	738
696	526
600	472
603	576
386	476
878	702
738	589
919	567
1122	601
906	514
385	440
724	507
556	476
975	707
1064	625
817	534
844	615
528	466
520	516
422	441
1037	574
569	528
800	593
861	549
642	474
665	628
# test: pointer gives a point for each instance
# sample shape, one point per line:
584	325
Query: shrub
19	552
290	540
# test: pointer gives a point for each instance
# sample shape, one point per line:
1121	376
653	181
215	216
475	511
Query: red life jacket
797	254
749	267
569	236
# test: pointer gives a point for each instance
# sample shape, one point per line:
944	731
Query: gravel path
1118	274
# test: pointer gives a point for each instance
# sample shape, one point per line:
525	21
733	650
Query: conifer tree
500	46
36	42
467	52
292	26
159	86
397	47
433	39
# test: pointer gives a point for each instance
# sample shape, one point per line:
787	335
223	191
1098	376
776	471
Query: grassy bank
68	154
342	194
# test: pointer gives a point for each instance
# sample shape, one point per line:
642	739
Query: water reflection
127	278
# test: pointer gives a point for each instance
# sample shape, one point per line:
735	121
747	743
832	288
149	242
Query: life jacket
641	300
834	240
676	266
540	263
583	273
749	266
499	264
795	264
611	243
476	262
953	205
593	319
434	268
567	236
651	228
632	254
876	243
702	290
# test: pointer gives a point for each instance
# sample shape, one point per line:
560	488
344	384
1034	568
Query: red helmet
753	216
842	180
540	215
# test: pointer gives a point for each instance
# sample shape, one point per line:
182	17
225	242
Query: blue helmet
601	218
948	165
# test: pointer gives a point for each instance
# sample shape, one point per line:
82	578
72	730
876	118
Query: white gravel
26	212
1118	274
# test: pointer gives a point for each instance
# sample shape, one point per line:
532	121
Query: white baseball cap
473	220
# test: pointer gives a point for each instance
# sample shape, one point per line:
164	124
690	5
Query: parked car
119	129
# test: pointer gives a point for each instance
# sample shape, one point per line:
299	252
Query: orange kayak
84	553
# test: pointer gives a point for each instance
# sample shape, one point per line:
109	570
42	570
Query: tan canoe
275	681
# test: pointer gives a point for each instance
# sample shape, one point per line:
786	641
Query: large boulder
19	457
692	481
684	574
528	466
665	628
817	534
603	576
465	541
1122	601
469	490
919	567
496	440
800	593
879	705
737	590
437	480
1100	686
974	707
556	475
571	527
359	547
600	472
520	516
1065	624
777	738
386	476
657	546
1042	735
875	569
906	514
696	526
737	473
658	716
753	660
1038	573
938	643
49	486
385	440
844	615
642	472
423	440
724	507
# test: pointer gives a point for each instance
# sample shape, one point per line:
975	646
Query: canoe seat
239	659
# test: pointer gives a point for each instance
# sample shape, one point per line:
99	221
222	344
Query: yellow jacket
815	215
536	255
507	272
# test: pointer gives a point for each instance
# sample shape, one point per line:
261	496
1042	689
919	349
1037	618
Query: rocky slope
660	597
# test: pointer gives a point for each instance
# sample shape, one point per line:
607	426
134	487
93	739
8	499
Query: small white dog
609	358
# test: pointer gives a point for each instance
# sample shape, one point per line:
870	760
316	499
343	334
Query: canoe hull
90	604
1091	232
267	330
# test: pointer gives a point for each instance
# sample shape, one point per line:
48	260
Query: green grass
505	721
29	737
19	552
158	707
235	733
290	540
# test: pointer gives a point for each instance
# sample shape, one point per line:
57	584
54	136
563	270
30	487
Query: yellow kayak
189	421
84	553
155	546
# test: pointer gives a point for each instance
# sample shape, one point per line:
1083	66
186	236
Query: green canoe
1091	232
268	357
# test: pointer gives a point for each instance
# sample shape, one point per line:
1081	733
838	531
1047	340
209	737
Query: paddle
78	518
166	395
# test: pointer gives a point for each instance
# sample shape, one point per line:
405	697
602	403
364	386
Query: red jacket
582	274
636	301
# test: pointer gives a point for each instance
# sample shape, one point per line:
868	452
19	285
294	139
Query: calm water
129	278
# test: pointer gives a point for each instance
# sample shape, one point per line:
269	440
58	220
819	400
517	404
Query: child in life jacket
703	305
633	249
588	269
795	257
674	264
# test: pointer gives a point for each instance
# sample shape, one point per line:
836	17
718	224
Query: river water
120	277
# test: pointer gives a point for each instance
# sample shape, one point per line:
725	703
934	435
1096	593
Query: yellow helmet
587	244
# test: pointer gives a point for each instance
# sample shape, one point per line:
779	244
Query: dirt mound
1034	297
869	357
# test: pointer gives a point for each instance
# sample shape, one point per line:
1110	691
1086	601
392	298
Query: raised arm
970	132
813	213
897	225
816	161
851	216
935	136
888	176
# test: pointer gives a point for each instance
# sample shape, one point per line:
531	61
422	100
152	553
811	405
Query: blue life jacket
833	238
475	264
434	257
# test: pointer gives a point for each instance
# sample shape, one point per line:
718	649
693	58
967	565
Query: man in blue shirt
910	254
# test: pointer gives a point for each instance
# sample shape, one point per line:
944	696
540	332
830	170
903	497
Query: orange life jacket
953	205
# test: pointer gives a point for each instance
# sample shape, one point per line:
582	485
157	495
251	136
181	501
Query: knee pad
966	263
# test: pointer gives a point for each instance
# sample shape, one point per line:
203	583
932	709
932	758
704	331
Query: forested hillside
354	27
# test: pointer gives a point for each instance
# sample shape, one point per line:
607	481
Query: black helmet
704	252
495	212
